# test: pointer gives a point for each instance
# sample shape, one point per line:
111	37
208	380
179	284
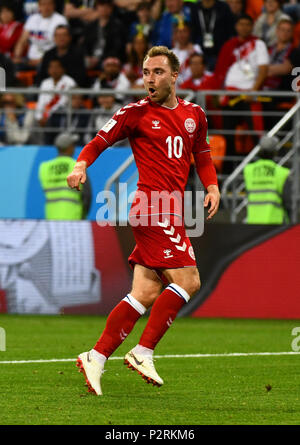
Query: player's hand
213	199
78	175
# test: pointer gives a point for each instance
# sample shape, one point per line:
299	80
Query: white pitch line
230	354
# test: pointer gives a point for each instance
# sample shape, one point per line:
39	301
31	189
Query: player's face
159	80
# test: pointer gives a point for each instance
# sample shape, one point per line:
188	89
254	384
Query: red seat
26	77
218	150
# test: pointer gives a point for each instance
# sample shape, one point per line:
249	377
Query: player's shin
119	324
163	313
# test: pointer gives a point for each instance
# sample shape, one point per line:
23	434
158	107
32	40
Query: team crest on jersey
155	125
190	125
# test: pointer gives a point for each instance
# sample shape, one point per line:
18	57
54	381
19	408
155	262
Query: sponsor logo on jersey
190	125
155	125
109	125
191	253
167	253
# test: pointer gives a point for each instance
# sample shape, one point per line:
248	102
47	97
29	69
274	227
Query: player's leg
184	283
145	289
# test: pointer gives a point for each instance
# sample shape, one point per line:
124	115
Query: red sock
163	313
119	324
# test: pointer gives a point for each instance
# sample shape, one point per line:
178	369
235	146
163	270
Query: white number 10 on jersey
175	146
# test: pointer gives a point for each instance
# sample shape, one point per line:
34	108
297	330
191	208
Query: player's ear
174	75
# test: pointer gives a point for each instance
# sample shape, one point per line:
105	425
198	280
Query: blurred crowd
100	44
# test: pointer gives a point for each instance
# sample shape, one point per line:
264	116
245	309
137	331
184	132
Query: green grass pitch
197	391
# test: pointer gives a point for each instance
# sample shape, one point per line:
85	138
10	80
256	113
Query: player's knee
191	284
145	296
195	285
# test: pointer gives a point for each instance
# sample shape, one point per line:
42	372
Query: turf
197	391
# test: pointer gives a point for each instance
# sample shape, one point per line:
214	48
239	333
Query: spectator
279	70
266	24
201	79
10	29
183	48
213	24
16	121
237	7
57	81
280	64
75	119
79	13
144	23
103	37
38	33
271	204
71	56
80	9
176	11
242	65
30	7
133	69
130	5
112	77
107	107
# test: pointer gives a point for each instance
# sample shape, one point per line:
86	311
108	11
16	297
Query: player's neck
170	102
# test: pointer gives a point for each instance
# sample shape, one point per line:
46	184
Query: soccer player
163	131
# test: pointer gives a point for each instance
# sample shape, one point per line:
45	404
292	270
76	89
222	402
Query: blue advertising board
21	195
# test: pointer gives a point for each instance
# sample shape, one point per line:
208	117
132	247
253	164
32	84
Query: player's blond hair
164	51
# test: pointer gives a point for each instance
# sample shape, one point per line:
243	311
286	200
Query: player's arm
116	129
207	174
87	156
206	169
212	199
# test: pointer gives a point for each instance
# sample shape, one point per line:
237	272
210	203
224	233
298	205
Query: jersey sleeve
201	151
119	126
201	143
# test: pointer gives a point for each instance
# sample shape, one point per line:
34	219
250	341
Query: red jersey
162	140
9	35
204	83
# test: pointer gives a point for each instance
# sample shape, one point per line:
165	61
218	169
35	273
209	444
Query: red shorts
162	245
